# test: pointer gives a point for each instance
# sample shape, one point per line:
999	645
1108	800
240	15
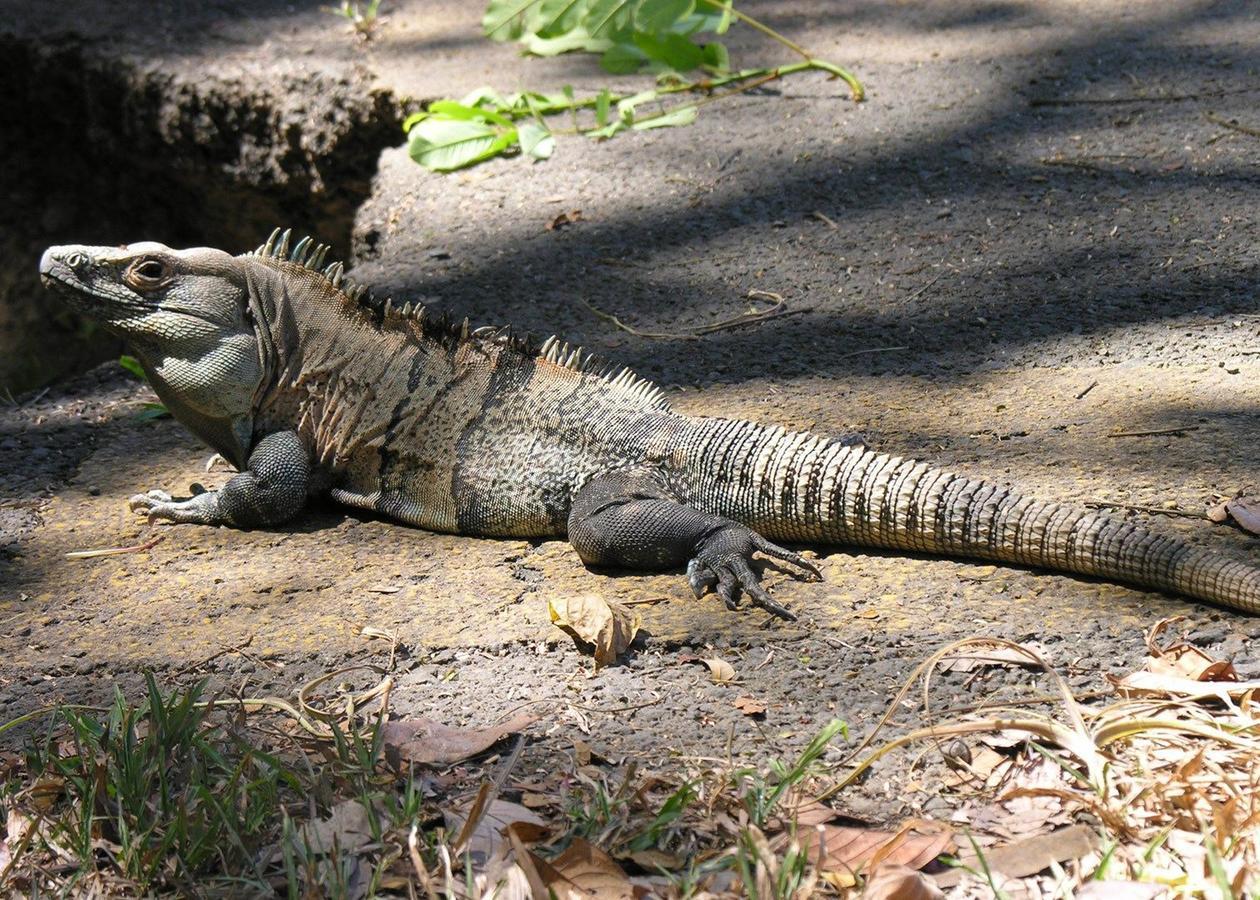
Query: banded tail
803	488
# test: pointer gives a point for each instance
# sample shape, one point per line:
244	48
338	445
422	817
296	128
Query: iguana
311	386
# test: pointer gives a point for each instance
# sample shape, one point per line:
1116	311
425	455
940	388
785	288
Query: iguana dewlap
310	386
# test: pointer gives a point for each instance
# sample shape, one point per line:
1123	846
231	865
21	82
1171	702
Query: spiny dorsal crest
310	255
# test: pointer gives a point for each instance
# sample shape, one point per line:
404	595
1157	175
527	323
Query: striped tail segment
800	487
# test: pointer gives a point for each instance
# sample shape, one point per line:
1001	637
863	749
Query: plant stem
855	86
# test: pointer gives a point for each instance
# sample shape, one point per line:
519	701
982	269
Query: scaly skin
311	386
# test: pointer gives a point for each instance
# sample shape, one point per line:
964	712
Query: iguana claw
722	563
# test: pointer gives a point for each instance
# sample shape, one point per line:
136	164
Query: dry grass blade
1076	738
116	551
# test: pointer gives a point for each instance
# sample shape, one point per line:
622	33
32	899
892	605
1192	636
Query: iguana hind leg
628	520
272	490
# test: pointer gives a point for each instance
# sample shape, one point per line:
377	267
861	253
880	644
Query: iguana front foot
270	491
628	520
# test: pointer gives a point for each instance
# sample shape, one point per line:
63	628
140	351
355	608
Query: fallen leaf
1137	684
846	850
1029	856
1183	659
900	883
346	829
1120	890
426	742
609	626
803	811
721	671
565	218
1245	511
487	834
993	656
587	871
750	706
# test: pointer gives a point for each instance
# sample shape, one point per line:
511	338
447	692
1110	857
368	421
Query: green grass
177	794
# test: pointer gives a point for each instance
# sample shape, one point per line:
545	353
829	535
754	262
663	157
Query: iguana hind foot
628	520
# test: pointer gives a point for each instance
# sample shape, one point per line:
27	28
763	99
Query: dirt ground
1035	234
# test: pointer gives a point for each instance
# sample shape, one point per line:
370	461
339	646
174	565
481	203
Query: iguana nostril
76	260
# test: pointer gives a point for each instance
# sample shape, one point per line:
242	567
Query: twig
1092	385
116	551
776	311
1116	434
1155	510
1103	101
923	287
823	217
870	350
1233	126
235	648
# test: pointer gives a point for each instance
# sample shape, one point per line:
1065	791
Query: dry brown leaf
586	871
993	656
1245	511
804	811
565	218
1120	890
609	626
847	850
426	742
346	829
1029	856
1137	684
487	835
721	671
900	883
1189	661
750	706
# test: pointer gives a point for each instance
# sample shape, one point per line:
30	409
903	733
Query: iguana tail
802	488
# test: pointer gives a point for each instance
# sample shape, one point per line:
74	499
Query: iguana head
188	317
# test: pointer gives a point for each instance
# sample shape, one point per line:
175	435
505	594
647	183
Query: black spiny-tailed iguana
310	386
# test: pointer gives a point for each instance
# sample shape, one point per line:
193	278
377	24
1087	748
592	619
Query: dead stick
1103	101
1092	385
1155	510
1153	431
116	551
1233	126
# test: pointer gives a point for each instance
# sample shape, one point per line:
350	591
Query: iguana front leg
272	490
628	520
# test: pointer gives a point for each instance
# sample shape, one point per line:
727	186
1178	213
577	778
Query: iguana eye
147	273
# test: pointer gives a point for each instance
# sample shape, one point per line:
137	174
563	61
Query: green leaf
577	39
623	59
725	21
443	144
132	365
151	411
602	134
673	50
656	16
610	18
557	17
486	97
536	140
411	120
717	57
602	102
507	20
683	115
449	109
626	107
